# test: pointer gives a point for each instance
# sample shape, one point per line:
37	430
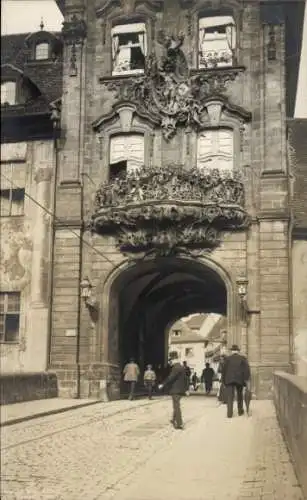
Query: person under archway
131	374
207	378
176	385
149	380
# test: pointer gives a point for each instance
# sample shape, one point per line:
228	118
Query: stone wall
20	387
299	291
290	397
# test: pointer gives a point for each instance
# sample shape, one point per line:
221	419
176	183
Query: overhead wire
52	214
55	218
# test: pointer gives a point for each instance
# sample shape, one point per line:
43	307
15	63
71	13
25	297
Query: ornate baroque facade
150	148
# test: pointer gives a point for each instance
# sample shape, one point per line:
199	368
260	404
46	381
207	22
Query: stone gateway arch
172	192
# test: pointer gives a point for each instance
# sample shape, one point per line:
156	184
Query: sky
24	16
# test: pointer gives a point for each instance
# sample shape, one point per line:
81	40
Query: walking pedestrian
221	395
207	376
195	381
235	375
131	374
149	380
176	384
188	376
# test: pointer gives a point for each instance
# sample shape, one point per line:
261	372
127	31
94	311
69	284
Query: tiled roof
191	338
46	75
11	46
187	336
298	161
196	321
215	333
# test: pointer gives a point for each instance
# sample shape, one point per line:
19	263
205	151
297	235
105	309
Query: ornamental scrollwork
168	91
168	209
74	31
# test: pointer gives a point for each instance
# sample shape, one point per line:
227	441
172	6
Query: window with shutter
217	41
8	93
129	48
12	189
126	153
9	316
215	149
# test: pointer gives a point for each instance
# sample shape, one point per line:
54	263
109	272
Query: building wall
26	256
196	360
261	254
299	284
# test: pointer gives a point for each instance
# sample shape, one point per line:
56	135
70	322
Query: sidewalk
20	412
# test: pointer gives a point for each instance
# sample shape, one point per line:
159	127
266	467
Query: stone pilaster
274	132
74	34
40	233
38	325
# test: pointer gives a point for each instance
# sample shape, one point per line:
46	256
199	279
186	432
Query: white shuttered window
217	41
215	149
127	149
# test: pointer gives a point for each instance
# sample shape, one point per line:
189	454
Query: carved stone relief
74	32
168	209
169	93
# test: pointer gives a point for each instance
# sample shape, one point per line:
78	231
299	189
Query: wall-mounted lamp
86	293
242	292
86	288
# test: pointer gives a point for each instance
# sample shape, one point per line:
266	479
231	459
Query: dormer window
42	51
217	41
129	48
8	93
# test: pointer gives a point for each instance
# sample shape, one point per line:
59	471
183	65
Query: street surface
128	451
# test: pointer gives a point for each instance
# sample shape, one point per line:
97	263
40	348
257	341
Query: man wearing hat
235	375
176	383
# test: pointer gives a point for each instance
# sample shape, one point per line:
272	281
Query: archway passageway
147	297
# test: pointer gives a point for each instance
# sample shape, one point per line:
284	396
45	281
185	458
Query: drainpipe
80	163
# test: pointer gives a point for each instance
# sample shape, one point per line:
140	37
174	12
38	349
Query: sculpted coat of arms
166	89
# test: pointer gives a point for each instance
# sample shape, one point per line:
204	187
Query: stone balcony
169	208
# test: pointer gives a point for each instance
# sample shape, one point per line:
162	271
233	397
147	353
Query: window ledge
42	62
122	76
10	216
220	69
12	342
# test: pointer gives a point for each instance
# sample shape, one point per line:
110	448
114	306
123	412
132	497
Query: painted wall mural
16	253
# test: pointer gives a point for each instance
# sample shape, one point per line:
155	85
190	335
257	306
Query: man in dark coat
207	377
187	374
235	375
222	392
176	385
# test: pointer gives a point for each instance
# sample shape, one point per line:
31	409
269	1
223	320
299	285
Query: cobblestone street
128	451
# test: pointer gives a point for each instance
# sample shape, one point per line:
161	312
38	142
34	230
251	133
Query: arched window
42	51
126	153
217	41
8	93
215	149
129	48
